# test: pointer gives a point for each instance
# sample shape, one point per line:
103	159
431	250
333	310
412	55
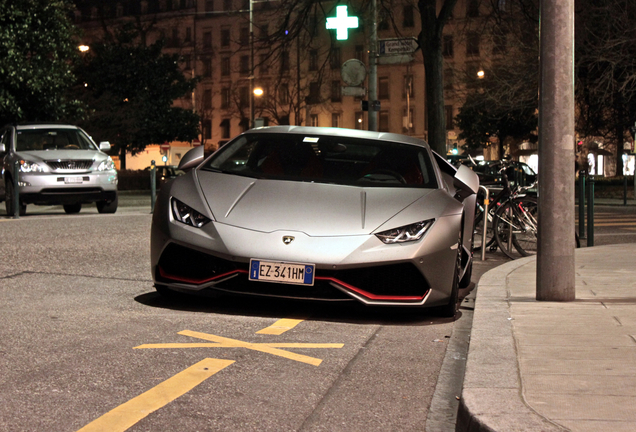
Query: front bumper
54	189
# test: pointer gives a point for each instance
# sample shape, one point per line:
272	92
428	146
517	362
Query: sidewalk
551	366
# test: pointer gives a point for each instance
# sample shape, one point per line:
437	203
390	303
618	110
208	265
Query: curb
492	395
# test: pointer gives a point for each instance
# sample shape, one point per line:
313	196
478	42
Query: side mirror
191	159
104	146
466	182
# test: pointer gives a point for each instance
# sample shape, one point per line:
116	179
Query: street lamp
481	74
258	91
83	48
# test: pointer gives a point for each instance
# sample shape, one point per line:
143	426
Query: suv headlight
107	165
186	214
407	233
29	167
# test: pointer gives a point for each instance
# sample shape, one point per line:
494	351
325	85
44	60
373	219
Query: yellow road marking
280	326
220	345
129	413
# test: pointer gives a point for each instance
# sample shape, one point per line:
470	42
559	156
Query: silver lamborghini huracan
318	213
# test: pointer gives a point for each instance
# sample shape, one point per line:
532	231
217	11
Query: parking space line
280	326
220	345
129	413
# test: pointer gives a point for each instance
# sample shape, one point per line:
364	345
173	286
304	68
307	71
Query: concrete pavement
552	366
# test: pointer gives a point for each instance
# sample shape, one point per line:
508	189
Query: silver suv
57	165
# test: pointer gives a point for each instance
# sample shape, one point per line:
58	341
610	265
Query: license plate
73	179
288	273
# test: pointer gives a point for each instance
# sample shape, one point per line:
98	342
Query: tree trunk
430	40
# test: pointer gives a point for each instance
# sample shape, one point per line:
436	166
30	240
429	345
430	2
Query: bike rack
485	228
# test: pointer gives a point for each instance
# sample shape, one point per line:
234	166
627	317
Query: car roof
44	125
341	132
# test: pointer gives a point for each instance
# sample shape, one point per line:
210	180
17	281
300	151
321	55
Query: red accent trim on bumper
370	295
198	281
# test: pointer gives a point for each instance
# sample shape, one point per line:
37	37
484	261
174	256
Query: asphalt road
87	344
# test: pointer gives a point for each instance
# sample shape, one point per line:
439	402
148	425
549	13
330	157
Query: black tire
72	208
515	227
8	200
108	206
450	309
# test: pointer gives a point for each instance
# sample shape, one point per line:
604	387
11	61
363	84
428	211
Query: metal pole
582	204
624	189
153	185
16	190
373	68
485	227
555	277
251	78
590	213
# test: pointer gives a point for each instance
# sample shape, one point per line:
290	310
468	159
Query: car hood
47	155
317	209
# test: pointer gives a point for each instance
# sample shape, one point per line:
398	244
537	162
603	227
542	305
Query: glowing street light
481	74
258	91
83	48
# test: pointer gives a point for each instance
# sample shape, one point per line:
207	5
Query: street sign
353	72
354	91
388	47
395	59
165	146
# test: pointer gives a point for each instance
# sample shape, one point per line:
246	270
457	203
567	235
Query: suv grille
70	164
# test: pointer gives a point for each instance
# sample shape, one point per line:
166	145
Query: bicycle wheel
515	227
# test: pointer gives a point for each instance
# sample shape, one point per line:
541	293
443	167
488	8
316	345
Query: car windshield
52	139
325	159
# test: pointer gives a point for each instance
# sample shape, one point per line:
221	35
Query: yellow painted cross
269	348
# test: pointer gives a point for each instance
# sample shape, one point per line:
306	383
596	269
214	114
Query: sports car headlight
28	167
406	233
187	215
106	165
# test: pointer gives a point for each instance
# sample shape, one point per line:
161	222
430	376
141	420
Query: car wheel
72	208
107	206
450	309
8	200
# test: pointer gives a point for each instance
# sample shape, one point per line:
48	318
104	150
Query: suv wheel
72	208
107	207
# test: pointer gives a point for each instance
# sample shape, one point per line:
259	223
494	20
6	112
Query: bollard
16	190
624	190
153	185
582	174
485	228
590	212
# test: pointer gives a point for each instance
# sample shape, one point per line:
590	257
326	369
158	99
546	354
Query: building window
245	65
207	40
244	96
284	61
407	121
409	16
314	93
207	99
209	5
188	35
359	120
336	91
383	121
449	78
225	66
225	97
313	120
225	128
225	37
283	94
207	67
313	60
187	62
263	64
206	125
335	119
408	87
359	52
383	88
472	44
447	46
227	5
264	32
472	8
335	58
284	120
448	113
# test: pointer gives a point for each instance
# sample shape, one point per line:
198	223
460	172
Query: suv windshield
325	159
52	139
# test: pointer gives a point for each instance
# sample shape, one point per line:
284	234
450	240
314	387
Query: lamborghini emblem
288	239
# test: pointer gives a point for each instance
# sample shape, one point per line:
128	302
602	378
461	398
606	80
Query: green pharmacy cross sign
342	23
